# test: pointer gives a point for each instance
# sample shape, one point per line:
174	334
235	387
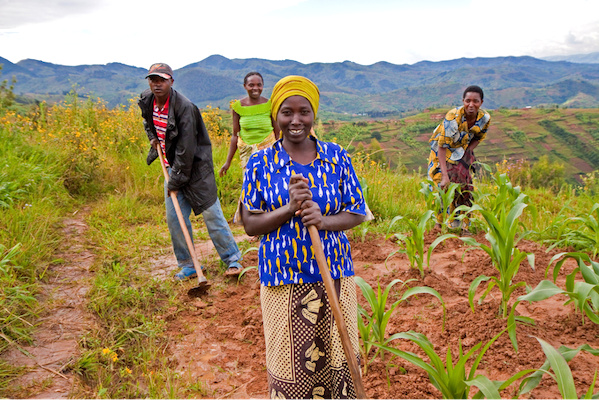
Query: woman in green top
253	127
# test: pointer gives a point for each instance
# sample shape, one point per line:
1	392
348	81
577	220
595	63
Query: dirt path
64	321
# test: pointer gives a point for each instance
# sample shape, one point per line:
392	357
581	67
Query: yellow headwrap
294	85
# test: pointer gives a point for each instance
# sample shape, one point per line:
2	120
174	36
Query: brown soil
221	342
219	339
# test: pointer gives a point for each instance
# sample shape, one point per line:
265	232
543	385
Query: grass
132	335
32	201
56	167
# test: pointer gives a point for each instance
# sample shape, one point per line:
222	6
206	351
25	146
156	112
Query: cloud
397	31
582	39
15	13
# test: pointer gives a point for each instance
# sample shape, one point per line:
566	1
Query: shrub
591	183
215	126
542	174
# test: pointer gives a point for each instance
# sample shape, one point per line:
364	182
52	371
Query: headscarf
294	85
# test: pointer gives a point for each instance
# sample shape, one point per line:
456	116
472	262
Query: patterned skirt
246	150
304	354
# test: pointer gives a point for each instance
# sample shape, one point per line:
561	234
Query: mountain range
346	87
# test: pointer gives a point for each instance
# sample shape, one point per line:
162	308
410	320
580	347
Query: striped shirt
160	118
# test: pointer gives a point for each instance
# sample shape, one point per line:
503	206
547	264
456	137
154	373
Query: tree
377	153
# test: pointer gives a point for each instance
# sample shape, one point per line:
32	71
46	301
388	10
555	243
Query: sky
182	32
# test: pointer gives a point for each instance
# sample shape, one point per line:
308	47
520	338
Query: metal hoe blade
199	290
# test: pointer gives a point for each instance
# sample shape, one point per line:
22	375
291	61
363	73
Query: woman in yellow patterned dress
297	182
452	150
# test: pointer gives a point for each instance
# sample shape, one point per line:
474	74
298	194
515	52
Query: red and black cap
160	69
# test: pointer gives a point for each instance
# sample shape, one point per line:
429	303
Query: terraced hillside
569	136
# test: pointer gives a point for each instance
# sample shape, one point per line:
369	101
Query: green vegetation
557	361
20	304
584	293
581	238
413	244
453	380
79	156
500	212
562	373
374	332
440	199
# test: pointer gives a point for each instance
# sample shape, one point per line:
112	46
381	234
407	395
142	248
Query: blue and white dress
286	254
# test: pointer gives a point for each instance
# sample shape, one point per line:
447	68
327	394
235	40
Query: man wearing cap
175	124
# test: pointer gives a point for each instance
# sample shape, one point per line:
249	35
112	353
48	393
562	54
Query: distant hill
114	82
346	87
591	58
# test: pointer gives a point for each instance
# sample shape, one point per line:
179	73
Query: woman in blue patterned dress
301	181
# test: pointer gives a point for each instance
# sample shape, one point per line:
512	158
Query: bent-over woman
452	150
297	182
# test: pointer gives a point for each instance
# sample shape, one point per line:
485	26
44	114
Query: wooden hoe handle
336	308
192	250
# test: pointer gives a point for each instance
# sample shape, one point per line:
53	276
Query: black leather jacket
188	149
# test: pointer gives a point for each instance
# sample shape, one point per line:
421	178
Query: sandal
186	273
234	269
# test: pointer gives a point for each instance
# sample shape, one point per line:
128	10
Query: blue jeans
215	221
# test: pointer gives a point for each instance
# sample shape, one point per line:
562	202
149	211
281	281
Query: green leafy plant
413	245
506	257
505	192
552	233
583	294
361	231
366	334
439	200
557	361
18	301
427	188
586	238
374	331
247	269
500	218
10	192
451	378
